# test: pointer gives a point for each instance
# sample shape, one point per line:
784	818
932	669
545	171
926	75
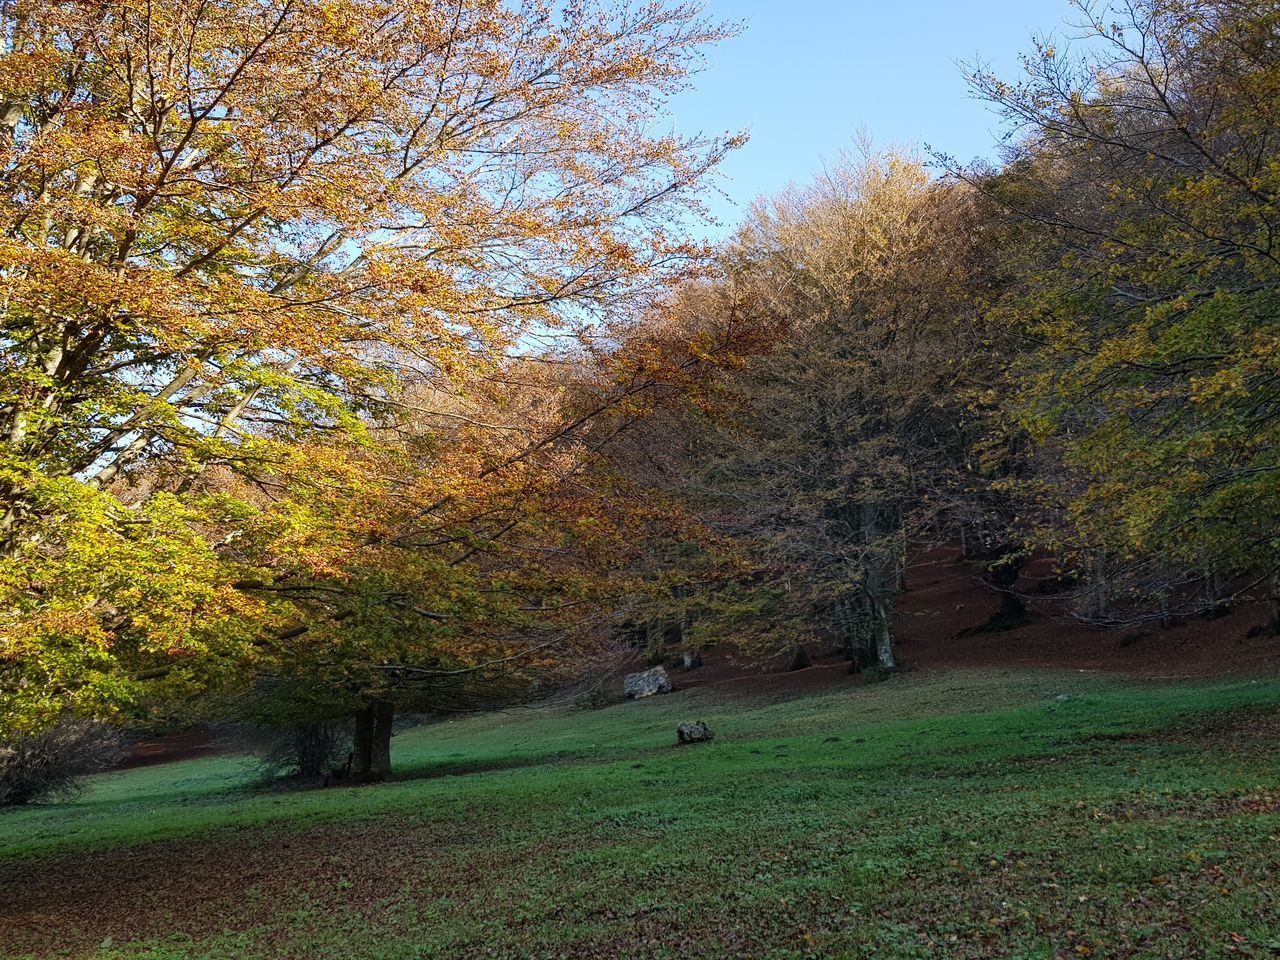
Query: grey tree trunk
866	614
880	581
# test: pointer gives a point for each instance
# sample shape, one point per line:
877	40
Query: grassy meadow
954	814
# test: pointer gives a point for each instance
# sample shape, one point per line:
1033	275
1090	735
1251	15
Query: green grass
962	814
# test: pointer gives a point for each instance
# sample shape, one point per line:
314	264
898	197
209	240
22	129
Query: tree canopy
270	273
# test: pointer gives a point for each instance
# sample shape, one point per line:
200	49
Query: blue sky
806	75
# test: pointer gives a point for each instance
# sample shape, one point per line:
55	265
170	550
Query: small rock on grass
694	732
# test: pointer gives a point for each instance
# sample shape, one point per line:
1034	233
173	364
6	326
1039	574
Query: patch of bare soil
940	620
197	742
946	604
732	675
69	905
1228	733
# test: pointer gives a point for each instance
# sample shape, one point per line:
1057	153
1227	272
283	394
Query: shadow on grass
461	768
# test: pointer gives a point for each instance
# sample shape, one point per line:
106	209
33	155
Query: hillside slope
948	813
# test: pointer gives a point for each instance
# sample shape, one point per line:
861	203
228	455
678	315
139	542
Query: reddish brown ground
198	742
938	621
945	602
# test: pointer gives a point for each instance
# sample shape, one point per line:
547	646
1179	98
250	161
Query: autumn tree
855	438
493	542
255	259
688	560
1145	172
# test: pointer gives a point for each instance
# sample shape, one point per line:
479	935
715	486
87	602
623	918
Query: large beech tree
265	265
854	439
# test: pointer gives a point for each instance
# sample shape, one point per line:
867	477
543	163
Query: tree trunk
311	748
859	644
1012	608
880	581
866	615
868	628
654	637
880	616
1215	590
380	767
1273	617
362	742
1002	575
1094	600
373	742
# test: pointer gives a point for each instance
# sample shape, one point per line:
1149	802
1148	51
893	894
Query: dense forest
355	360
